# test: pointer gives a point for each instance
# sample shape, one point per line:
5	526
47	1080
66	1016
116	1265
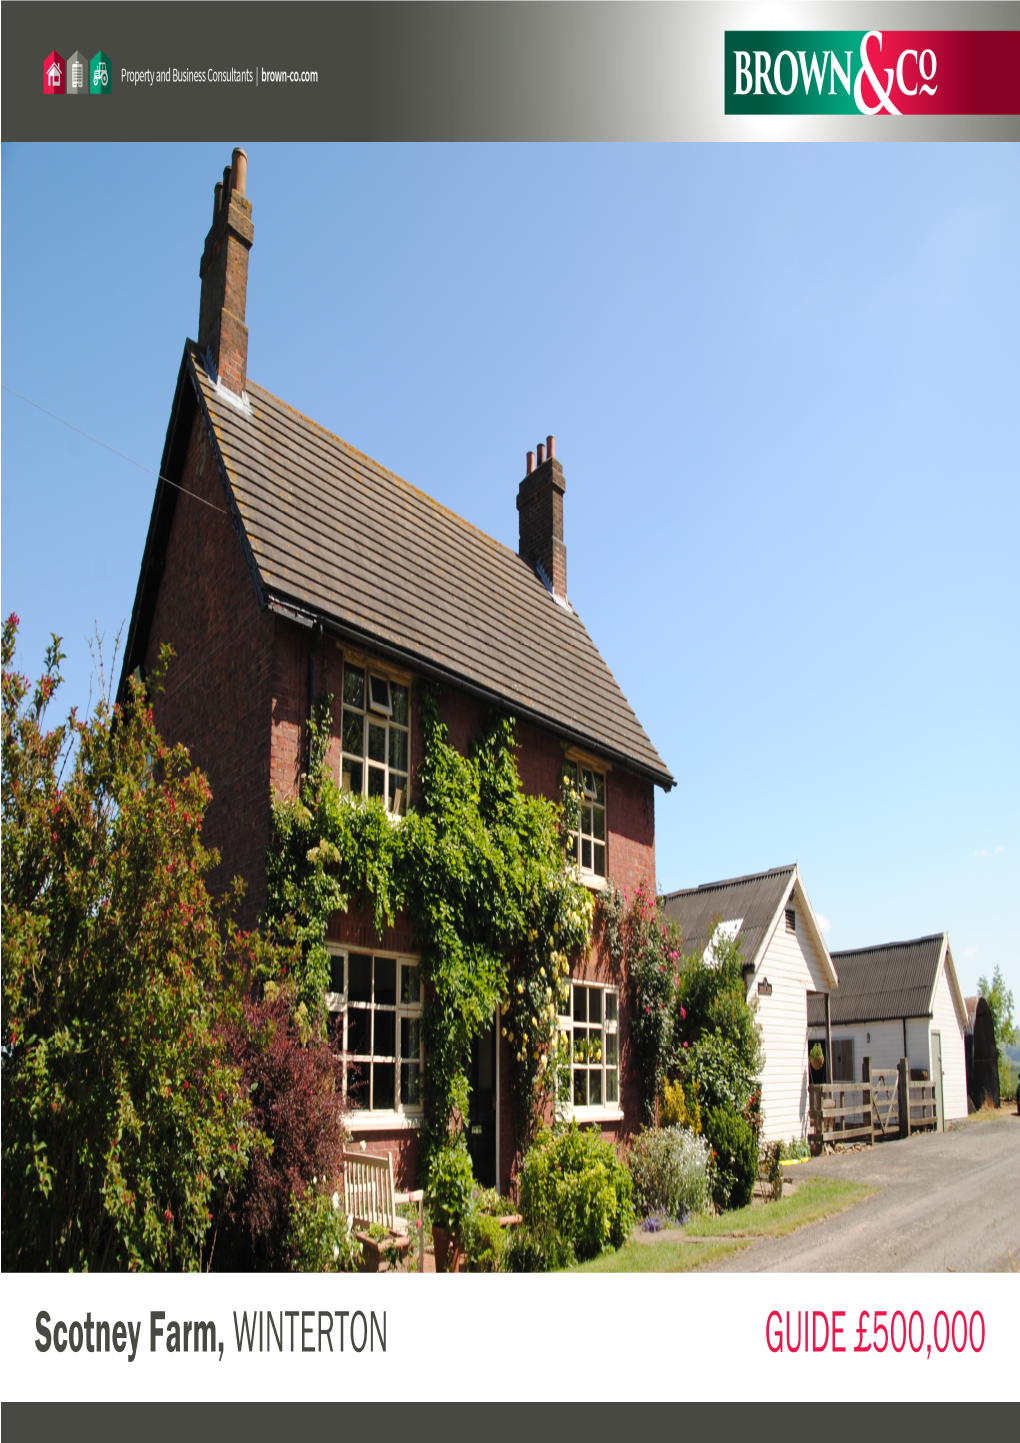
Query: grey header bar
443	71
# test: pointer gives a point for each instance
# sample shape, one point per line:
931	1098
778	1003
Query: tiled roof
878	984
756	899
338	537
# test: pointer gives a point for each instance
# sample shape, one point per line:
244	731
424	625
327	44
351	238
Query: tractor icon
100	70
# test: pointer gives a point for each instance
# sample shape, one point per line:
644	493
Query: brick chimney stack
222	332
540	504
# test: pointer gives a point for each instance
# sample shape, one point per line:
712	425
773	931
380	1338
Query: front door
936	1077
482	1110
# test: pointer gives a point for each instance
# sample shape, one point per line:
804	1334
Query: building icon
53	74
100	74
77	74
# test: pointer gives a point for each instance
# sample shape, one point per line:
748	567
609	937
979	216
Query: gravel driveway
948	1201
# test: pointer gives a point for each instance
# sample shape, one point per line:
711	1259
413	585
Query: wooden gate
885	1101
888	1105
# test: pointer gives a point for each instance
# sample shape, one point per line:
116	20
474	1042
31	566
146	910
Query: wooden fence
886	1105
842	1112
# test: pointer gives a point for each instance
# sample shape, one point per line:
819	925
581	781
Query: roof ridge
887	946
354	451
730	882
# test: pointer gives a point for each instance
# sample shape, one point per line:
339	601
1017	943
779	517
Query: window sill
589	880
596	1114
383	1122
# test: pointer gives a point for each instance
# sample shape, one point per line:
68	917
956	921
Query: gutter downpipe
828	1041
498	1019
313	641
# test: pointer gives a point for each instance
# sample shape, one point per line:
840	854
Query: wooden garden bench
370	1201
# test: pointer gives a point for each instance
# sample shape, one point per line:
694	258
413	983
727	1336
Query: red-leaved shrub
295	1087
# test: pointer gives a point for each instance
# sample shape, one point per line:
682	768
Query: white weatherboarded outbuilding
786	961
901	999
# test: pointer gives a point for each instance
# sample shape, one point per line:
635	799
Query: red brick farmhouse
281	563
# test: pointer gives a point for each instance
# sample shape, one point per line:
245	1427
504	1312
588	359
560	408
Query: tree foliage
1000	1003
125	1126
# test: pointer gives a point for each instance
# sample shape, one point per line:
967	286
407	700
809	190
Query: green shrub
538	1249
320	1240
735	1146
451	1179
573	1182
797	1147
669	1167
482	1238
719	1072
484	1243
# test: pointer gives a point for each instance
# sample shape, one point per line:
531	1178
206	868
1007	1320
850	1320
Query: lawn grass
814	1199
660	1257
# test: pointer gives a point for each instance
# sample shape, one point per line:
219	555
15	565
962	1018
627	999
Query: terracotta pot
449	1254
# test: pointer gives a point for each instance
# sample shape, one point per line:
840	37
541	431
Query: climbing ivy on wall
481	871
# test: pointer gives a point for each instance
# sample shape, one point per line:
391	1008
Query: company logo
77	75
872	72
53	74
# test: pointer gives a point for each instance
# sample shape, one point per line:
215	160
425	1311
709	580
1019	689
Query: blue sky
784	383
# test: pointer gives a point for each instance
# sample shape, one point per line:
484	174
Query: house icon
53	74
100	74
77	74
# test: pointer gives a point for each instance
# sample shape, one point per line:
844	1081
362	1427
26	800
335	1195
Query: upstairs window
589	841
375	737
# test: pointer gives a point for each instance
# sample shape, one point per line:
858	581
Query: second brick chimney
540	504
222	333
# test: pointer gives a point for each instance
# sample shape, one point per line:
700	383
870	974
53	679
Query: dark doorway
482	1112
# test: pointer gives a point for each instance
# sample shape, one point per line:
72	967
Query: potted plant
817	1057
448	1196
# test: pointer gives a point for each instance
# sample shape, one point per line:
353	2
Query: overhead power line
107	447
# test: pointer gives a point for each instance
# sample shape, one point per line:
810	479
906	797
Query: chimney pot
239	171
550	442
531	463
217	198
541	453
226	182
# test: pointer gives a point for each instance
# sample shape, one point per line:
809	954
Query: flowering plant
670	1167
650	948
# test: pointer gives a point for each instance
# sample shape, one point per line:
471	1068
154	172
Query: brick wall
217	698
